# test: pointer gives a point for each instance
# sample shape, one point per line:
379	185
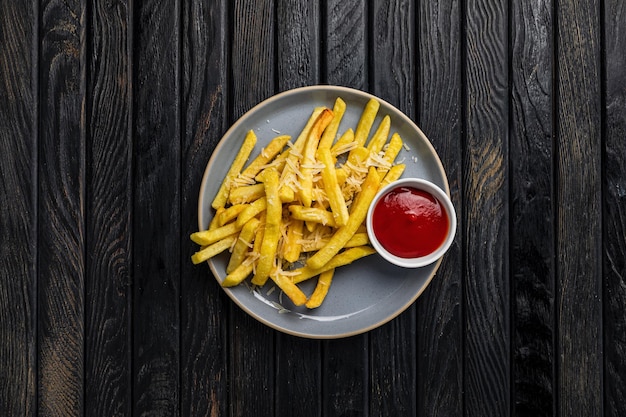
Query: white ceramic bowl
443	198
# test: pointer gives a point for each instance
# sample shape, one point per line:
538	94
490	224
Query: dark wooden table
109	112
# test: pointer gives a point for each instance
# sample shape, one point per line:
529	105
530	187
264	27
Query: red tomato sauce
410	223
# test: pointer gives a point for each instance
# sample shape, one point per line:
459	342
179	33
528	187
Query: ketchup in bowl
411	222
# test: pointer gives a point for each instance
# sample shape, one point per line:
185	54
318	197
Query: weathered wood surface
109	112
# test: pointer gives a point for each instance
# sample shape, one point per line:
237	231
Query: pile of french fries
297	211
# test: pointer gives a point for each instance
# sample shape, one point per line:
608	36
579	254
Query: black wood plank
109	184
298	43
344	40
252	54
614	213
578	199
532	212
252	344
392	55
156	207
486	220
298	360
440	325
204	308
61	235
345	372
18	212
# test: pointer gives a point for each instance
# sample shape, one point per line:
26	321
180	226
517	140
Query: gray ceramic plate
363	295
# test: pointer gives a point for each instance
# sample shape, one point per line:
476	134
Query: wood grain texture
532	210
392	56
61	236
252	54
298	360
18	211
614	213
486	220
578	199
439	113
252	344
204	308
297	43
345	371
392	53
109	200
156	207
345	43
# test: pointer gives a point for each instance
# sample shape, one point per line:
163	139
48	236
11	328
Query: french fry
344	258
241	247
246	194
366	121
321	289
225	216
267	154
209	237
393	174
331	186
292	291
359	239
212	250
242	156
288	176
344	233
272	227
379	139
393	149
251	210
312	214
331	131
292	246
238	275
308	156
344	144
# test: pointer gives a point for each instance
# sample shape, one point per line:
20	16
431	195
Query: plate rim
241	120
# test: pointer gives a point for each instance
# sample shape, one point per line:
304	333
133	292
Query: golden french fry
359	239
215	222
225	216
366	121
331	130
242	156
321	289
357	216
393	174
393	149
292	291
246	194
244	241
331	186
267	154
238	275
344	144
313	215
292	246
380	136
344	258
251	210
272	227
212	250
208	237
288	177
308	157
